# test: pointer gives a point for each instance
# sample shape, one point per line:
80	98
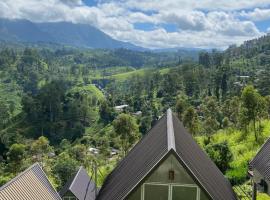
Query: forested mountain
57	102
78	35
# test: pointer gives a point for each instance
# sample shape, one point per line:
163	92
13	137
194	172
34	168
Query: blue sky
155	23
263	25
90	2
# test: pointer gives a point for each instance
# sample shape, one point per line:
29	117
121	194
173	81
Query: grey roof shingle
80	185
168	135
32	184
261	162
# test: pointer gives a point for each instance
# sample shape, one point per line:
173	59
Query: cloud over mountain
162	24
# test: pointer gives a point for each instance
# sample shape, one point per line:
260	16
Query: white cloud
257	14
191	20
218	25
226	24
228	5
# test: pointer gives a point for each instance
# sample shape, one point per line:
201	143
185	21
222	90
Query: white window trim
170	187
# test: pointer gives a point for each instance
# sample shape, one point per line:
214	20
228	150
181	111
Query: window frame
170	188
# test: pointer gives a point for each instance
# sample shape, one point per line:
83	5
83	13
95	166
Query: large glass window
156	192
184	193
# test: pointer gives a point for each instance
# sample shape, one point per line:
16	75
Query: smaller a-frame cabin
167	164
79	187
32	184
260	170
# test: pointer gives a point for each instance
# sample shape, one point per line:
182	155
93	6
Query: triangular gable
160	175
80	185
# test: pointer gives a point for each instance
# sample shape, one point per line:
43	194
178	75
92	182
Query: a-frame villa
167	164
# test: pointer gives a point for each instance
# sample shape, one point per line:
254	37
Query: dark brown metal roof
32	184
167	136
261	162
80	185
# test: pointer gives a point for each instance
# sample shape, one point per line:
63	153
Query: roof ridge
78	172
170	131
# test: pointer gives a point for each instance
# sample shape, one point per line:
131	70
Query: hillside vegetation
57	103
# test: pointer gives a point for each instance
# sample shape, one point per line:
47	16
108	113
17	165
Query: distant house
260	170
243	77
120	108
138	113
79	187
114	152
32	184
167	164
93	150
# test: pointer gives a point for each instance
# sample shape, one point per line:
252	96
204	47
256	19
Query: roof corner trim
170	131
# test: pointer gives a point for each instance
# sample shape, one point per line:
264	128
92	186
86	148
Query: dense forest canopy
56	103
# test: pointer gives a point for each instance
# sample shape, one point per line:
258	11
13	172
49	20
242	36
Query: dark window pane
156	192
184	193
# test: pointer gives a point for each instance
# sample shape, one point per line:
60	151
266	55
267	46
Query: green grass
262	196
102	171
124	73
243	147
139	72
124	76
89	89
164	71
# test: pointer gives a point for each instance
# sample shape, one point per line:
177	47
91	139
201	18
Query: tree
251	103
190	80
40	148
220	154
64	168
78	152
217	58
32	108
263	83
190	120
181	105
145	124
224	85
125	126
225	122
15	156
211	111
210	126
231	109
267	101
65	145
51	98
106	112
4	113
204	59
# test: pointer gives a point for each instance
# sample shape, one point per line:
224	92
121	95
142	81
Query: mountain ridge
78	35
